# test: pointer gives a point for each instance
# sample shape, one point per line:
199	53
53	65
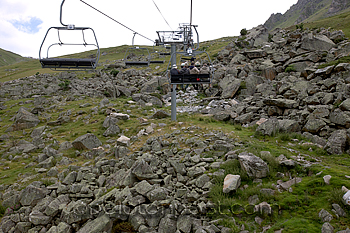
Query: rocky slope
304	10
163	184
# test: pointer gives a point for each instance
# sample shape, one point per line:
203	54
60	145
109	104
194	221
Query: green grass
8	58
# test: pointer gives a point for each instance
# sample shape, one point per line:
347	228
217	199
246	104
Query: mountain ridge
9	58
305	11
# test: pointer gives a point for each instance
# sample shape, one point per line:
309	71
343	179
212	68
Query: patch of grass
289	69
345	59
122	227
2	211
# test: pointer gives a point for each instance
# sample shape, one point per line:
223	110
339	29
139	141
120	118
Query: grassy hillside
108	56
338	22
8	58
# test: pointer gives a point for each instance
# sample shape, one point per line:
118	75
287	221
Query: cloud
30	26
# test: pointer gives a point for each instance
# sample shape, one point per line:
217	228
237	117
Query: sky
24	23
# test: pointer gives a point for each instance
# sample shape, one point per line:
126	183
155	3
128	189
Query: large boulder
288	126
31	195
100	224
317	42
24	120
337	142
231	183
229	86
87	141
281	103
253	165
75	211
269	127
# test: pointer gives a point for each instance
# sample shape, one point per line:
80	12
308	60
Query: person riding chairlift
174	70
184	69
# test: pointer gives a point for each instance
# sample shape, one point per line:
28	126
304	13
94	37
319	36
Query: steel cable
162	14
116	21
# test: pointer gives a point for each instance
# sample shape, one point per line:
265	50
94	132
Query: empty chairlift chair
135	56
57	63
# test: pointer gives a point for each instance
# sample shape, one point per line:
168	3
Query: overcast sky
23	23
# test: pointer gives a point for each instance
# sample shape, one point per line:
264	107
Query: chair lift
133	62
69	63
161	53
190	51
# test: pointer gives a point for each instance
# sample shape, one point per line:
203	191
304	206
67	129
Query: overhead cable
116	21
191	15
162	14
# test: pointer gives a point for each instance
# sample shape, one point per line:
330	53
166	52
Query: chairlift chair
55	63
133	62
190	50
191	78
160	53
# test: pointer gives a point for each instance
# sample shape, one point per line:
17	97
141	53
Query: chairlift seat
69	63
157	62
190	79
137	63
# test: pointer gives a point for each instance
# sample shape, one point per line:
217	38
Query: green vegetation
64	85
244	32
345	59
289	69
300	26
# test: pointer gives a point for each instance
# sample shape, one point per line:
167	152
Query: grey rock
65	146
286	185
229	86
269	127
179	167
336	142
31	195
157	194
231	183
143	187
288	126
340	118
87	141
109	121
325	216
167	225
70	178
314	125
142	170
119	212
62	227
160	114
136	219
202	180
24	120
338	210
38	218
75	211
282	103
47	163
316	42
23	226
327	228
253	165
184	223
7	225
53	208
112	131
100	224
345	106
327	179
